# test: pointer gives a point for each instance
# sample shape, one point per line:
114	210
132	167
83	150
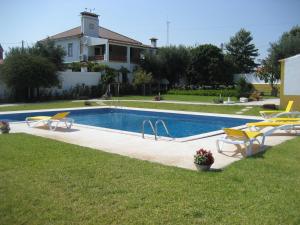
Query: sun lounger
282	125
241	137
273	113
50	121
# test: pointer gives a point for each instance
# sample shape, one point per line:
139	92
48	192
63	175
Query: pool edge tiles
178	116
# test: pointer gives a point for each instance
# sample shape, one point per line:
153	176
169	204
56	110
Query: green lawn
230	109
44	105
227	109
187	98
44	181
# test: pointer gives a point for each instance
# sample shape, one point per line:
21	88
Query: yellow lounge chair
272	113
49	120
284	119
241	137
288	126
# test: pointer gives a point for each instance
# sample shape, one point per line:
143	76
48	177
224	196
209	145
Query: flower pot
202	167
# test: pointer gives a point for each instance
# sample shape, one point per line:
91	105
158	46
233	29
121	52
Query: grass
43	105
225	109
187	98
44	181
155	105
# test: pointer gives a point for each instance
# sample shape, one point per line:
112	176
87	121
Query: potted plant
4	127
203	159
158	97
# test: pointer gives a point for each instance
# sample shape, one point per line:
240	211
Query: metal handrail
165	127
151	125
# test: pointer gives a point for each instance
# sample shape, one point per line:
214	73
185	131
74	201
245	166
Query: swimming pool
180	125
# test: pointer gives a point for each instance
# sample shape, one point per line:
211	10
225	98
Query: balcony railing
96	57
118	58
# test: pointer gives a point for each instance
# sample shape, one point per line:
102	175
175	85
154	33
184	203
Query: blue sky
192	21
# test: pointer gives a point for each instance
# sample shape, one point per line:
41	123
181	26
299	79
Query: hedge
201	92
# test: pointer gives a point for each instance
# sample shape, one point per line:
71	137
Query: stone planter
202	167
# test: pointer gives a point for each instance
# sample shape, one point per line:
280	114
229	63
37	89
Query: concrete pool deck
167	152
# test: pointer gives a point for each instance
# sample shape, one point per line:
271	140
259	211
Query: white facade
64	43
292	75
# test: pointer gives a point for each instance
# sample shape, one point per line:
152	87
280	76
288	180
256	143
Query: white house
290	80
91	42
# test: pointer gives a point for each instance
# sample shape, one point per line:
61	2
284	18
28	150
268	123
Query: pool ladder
154	128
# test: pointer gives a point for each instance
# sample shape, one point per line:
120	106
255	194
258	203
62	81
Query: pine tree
242	52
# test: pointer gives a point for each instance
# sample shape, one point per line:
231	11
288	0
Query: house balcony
96	58
118	58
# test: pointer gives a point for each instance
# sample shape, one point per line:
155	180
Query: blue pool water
179	125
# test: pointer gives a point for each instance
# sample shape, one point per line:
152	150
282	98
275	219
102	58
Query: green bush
99	67
223	92
75	66
244	89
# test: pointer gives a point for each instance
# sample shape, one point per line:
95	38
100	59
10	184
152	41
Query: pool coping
183	139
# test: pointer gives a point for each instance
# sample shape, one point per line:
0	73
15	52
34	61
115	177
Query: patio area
163	151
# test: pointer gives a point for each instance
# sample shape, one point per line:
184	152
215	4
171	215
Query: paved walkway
167	152
275	101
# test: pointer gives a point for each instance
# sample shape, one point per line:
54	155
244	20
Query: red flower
204	157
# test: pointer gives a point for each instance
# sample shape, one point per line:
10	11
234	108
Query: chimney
153	42
89	24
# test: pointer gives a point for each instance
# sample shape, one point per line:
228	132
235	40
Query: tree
242	52
48	50
141	77
24	73
108	78
174	63
124	71
206	65
288	45
169	62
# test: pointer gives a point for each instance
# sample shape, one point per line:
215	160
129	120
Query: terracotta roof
103	33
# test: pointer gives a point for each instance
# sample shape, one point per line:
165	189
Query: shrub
243	89
223	93
158	98
87	103
99	67
75	66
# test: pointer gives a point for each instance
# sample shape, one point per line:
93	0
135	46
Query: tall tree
141	77
25	72
288	45
169	62
206	65
49	50
174	61
242	52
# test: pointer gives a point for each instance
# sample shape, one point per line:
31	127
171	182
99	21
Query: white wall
292	75
71	79
250	78
76	48
68	80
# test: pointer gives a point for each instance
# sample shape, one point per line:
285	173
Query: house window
70	49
